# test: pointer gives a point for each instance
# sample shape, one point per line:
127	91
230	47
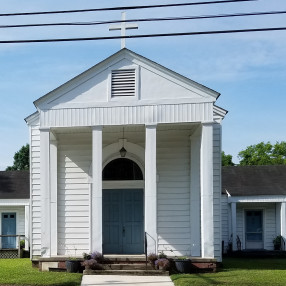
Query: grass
239	271
21	272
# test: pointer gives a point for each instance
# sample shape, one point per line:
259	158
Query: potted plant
277	242
72	265
183	264
93	261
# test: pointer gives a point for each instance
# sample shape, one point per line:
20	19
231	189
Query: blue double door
123	221
8	228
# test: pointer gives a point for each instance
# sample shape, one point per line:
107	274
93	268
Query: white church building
125	152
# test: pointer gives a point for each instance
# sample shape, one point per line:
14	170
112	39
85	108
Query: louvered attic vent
123	82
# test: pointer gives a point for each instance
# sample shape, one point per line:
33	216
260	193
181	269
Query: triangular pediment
123	79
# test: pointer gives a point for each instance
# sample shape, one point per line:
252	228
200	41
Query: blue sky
249	70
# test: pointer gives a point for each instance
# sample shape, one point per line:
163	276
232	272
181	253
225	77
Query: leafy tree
21	160
263	154
226	160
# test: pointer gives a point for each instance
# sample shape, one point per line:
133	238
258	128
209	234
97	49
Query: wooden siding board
173	194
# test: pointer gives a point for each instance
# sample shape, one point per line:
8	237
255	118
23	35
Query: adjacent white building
253	206
14	211
87	195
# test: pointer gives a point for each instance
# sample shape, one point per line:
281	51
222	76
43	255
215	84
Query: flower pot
183	266
72	266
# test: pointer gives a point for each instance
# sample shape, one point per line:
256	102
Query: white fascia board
257	199
15	202
33	118
125	53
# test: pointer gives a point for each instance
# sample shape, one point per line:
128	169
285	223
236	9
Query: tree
226	160
21	160
263	154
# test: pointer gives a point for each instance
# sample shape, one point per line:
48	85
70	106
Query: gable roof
254	180
126	53
14	185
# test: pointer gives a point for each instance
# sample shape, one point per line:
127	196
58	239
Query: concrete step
125	258
123	266
127	272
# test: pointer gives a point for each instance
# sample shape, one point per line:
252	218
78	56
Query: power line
146	20
124	8
146	36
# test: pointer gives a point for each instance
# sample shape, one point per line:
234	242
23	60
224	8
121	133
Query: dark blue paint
123	221
8	228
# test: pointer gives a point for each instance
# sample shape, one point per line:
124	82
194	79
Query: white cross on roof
123	26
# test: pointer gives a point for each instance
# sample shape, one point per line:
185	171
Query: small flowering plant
162	263
93	260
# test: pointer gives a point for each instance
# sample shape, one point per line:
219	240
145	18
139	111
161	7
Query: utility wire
146	36
146	20
124	8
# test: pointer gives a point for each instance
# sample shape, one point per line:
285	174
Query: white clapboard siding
217	190
173	209
35	191
74	160
225	221
269	221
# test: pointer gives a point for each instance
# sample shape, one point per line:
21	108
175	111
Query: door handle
123	230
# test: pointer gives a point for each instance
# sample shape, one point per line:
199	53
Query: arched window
122	169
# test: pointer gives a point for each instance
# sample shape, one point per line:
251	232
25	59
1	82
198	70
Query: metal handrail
146	246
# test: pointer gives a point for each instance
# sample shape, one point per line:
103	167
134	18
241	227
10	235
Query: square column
96	193
151	188
283	220
195	192
233	226
27	226
207	224
54	194
45	192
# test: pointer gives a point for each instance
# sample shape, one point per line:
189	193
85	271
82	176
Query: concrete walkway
90	280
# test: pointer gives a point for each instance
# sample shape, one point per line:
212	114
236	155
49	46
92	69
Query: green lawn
20	272
239	271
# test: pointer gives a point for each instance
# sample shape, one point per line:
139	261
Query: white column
151	188
45	192
195	208
96	196
27	227
207	225
278	218
54	196
233	226
283	220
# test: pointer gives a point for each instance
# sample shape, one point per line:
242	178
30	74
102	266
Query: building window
122	169
123	83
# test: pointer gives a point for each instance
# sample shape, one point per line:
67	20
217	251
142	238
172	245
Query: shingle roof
14	185
254	180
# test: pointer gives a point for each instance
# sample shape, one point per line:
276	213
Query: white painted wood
233	226
96	218
45	193
207	224
195	210
151	188
54	196
123	27
27	226
283	220
217	190
145	114
257	199
278	218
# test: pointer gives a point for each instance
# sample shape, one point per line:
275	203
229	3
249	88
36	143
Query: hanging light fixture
123	151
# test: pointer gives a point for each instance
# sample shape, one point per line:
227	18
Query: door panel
254	229
8	228
123	221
